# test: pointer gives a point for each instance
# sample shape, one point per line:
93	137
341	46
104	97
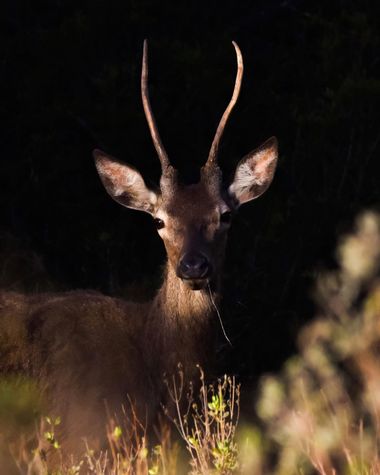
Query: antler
213	155
162	155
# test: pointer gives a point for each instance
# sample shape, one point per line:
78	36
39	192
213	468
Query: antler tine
213	155
162	155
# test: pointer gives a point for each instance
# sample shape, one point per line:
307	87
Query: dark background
69	82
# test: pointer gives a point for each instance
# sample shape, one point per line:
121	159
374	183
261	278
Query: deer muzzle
194	266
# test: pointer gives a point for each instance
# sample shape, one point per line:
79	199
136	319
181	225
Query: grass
208	427
319	415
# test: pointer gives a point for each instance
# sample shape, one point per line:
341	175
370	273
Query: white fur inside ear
253	175
125	184
129	180
254	171
243	180
120	176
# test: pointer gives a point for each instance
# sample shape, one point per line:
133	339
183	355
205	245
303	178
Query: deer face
193	224
192	220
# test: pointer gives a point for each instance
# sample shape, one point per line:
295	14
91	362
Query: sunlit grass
208	427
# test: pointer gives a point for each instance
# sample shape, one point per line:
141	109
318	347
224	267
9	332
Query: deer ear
124	183
254	173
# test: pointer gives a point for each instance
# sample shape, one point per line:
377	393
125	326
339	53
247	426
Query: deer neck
181	324
178	303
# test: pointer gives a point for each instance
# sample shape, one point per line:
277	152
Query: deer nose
193	266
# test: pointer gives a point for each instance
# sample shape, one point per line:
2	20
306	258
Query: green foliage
49	435
209	426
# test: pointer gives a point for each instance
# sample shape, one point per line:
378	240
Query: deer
87	350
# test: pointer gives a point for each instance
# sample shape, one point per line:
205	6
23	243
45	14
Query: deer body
92	355
90	352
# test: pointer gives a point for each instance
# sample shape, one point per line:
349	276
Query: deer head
192	220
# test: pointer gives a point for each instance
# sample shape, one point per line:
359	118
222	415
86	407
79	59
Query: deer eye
159	223
226	217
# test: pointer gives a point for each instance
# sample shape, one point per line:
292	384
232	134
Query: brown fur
89	351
